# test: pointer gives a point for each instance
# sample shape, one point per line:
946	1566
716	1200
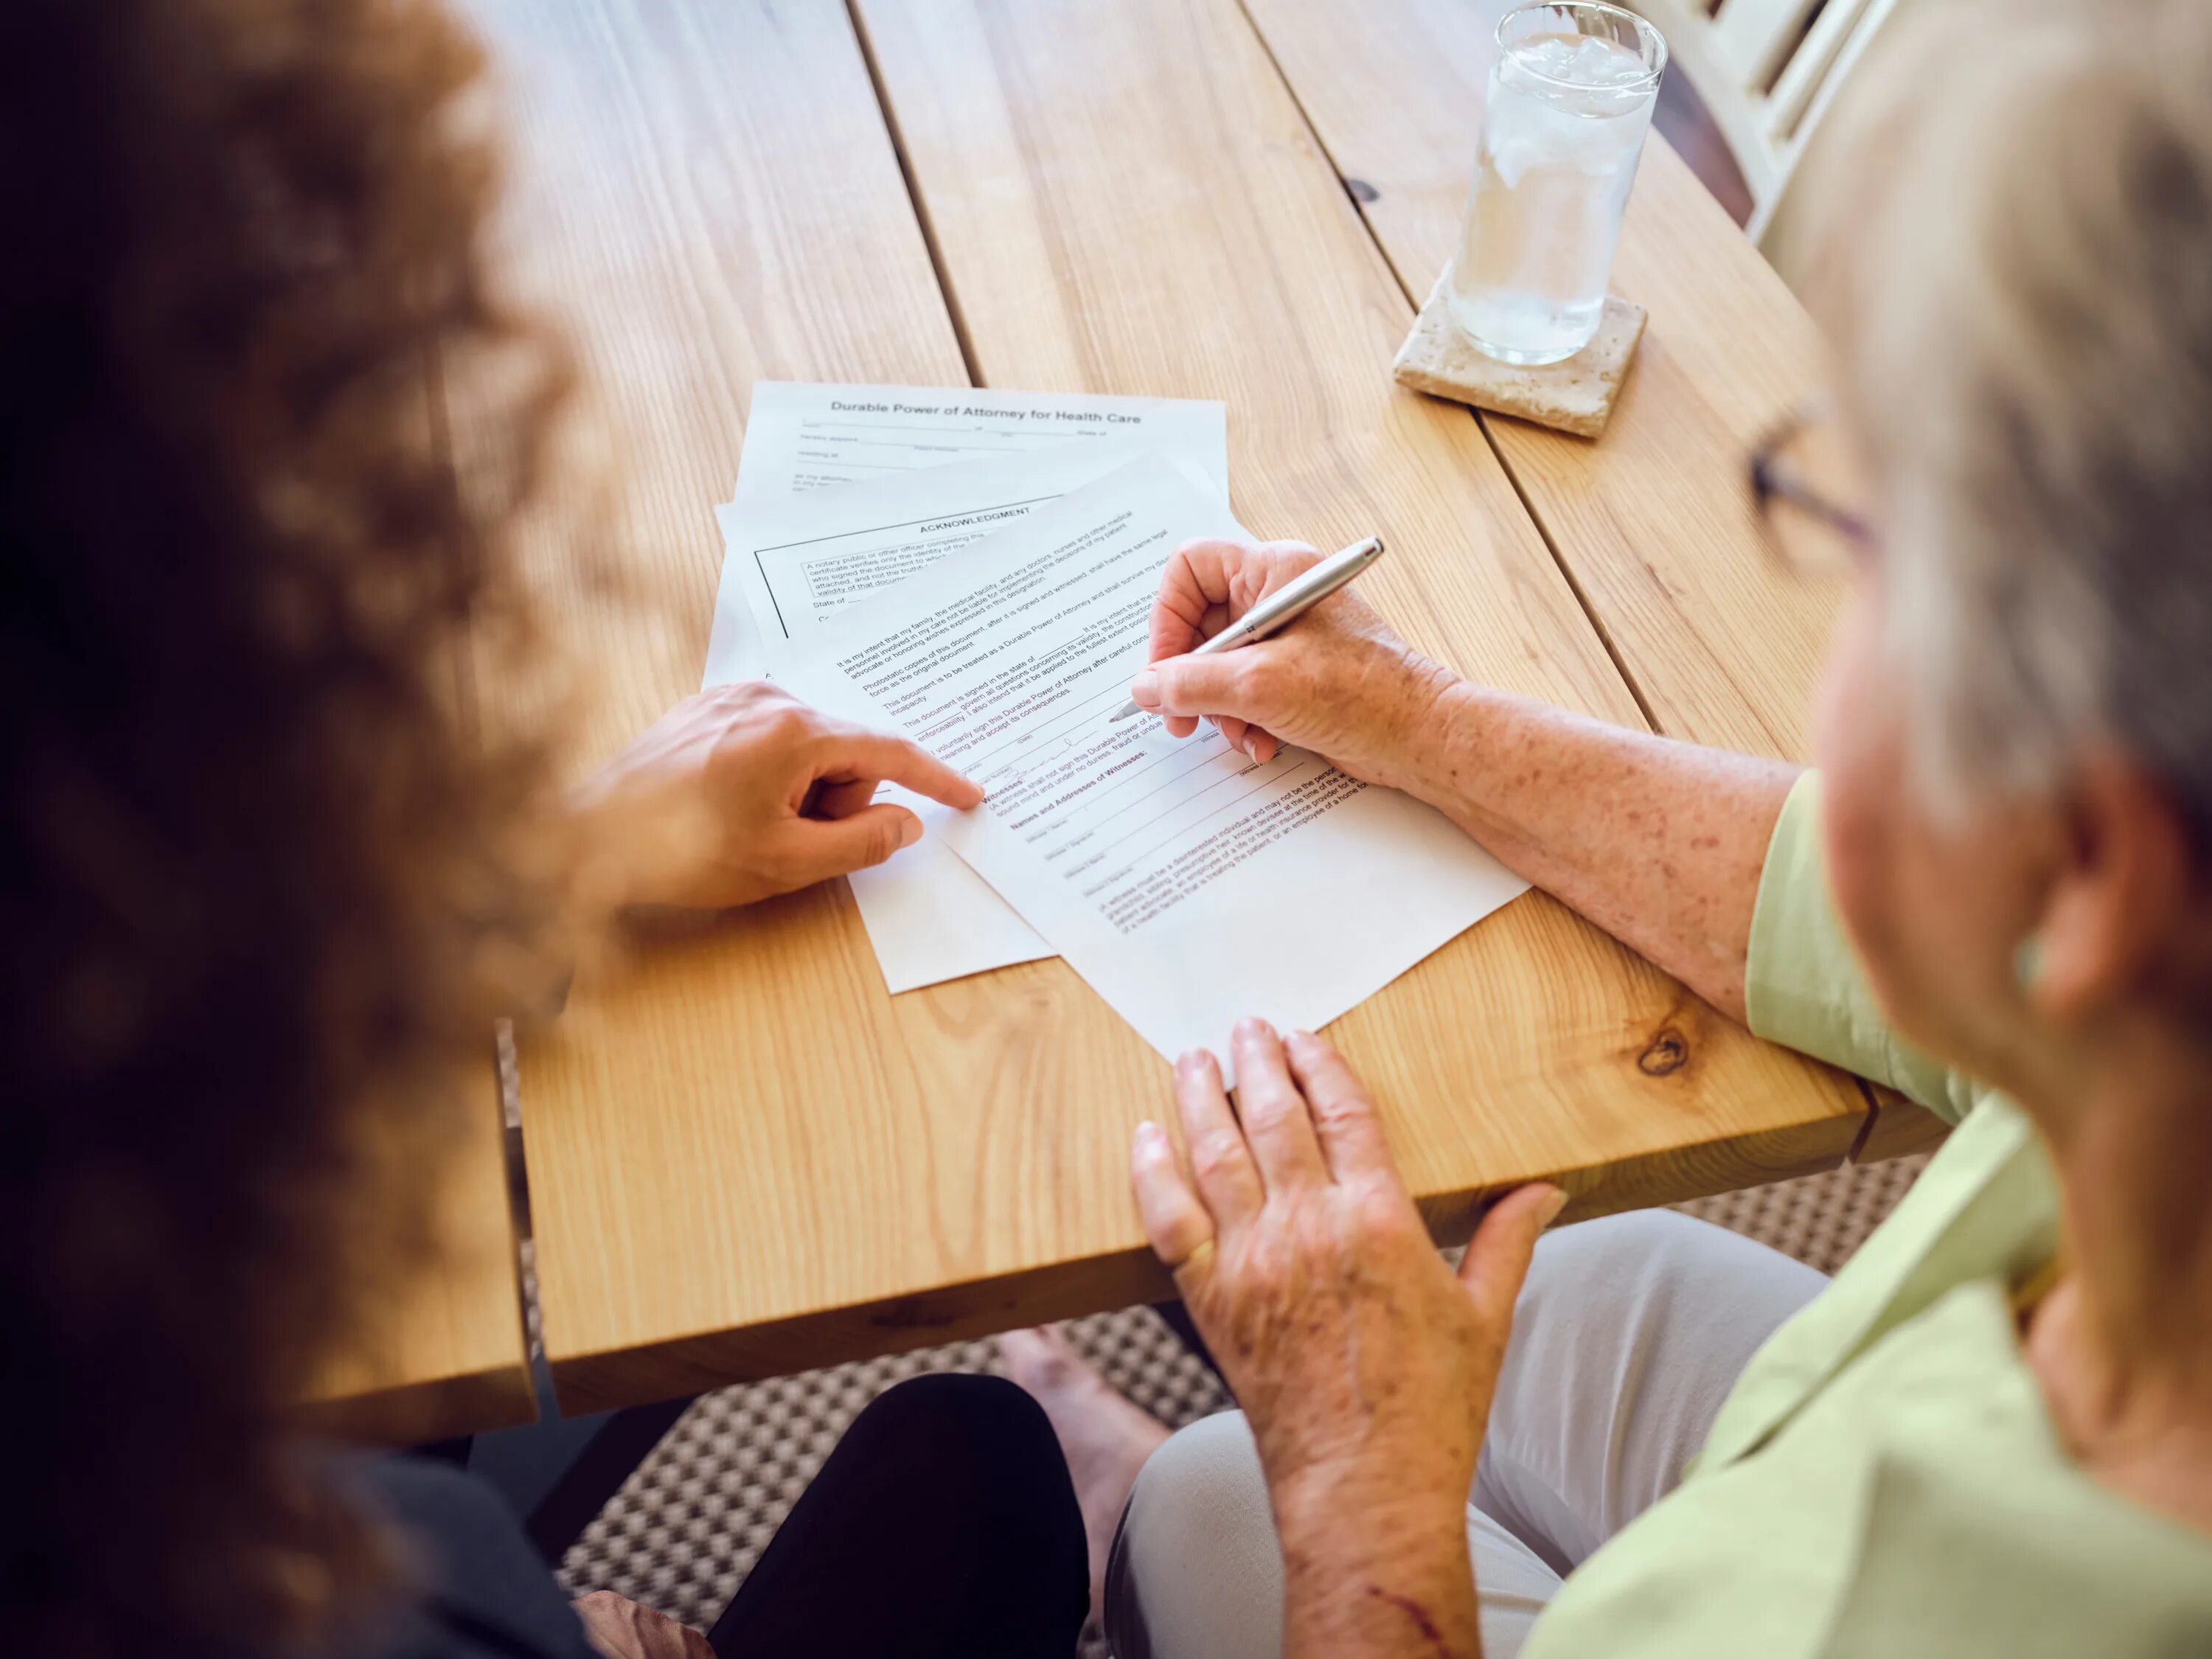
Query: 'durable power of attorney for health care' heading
984	412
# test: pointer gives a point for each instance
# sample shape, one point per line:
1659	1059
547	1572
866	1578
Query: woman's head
255	871
2019	726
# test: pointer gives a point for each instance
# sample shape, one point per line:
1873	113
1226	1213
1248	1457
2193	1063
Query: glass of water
1570	96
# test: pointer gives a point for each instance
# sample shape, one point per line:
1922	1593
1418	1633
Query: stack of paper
845	489
995	611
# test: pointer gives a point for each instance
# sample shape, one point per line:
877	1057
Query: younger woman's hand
1337	681
1364	1364
743	792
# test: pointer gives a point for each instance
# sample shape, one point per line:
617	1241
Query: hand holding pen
1340	684
1271	612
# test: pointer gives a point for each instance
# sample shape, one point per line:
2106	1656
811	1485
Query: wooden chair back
1769	70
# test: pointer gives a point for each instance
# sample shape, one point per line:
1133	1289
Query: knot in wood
1667	1053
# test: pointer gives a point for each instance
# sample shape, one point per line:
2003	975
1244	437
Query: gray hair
2019	231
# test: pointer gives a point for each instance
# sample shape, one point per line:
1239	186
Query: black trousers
944	1524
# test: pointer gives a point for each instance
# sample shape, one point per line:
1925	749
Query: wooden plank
1128	1274
702	195
1900	1128
1654	520
443	1354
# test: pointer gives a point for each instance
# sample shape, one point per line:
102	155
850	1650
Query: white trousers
1628	1335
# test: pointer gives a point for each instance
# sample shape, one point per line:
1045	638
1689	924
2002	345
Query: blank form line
1204	759
1139	829
952	447
1060	825
1264	783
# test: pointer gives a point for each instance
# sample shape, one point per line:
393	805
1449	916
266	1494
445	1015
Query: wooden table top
744	1157
446	1356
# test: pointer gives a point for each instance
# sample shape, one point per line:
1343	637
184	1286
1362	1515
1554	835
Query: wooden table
443	1354
744	1157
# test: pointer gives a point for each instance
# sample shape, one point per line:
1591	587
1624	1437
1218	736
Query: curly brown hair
259	873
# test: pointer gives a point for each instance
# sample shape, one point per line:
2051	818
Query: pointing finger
856	753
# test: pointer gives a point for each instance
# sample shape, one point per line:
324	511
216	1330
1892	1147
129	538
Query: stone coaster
1576	395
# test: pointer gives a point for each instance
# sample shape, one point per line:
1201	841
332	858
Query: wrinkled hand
1337	681
621	1629
743	792
1364	1364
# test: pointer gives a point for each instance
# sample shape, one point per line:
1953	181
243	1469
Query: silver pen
1286	604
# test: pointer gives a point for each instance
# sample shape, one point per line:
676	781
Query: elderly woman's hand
743	792
1337	681
619	1628
1364	1364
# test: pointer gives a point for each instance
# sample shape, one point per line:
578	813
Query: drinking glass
1570	100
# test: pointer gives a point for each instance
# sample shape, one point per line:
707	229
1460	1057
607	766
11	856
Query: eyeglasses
1801	475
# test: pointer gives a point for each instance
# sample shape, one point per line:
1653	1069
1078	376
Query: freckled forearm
1360	1584
1660	843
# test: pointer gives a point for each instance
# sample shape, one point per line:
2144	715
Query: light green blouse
1883	1480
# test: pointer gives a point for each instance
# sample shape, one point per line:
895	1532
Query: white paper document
801	437
1188	884
790	565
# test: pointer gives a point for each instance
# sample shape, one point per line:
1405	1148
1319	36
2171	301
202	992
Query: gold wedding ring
1200	1253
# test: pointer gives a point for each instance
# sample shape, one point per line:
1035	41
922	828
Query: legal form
1187	883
